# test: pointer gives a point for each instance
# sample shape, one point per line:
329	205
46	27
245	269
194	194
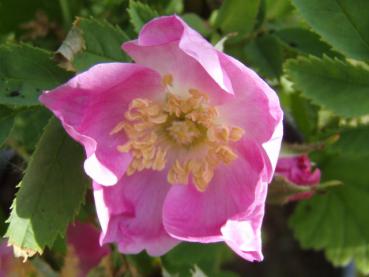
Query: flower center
181	133
184	131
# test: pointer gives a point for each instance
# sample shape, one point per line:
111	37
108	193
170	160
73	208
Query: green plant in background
313	53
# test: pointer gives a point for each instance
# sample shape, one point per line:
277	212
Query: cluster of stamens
178	125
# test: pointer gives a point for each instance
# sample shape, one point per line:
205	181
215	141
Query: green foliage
102	44
207	258
237	16
139	14
11	21
25	71
305	115
277	8
352	142
174	6
305	42
342	23
335	85
28	127
6	123
91	41
335	222
50	193
265	54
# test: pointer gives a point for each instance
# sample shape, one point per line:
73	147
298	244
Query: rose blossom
84	238
297	170
180	145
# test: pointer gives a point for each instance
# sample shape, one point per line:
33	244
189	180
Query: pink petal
271	151
235	190
84	238
91	104
130	213
243	232
6	258
170	46
297	169
259	105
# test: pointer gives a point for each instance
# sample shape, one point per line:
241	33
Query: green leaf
6	123
91	41
24	72
237	16
139	14
305	42
179	262
336	222
278	8
26	11
260	17
174	6
342	23
50	193
265	54
338	86
352	142
305	115
28	127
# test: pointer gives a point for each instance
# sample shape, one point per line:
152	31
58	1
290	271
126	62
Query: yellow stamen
236	134
184	132
178	173
181	124
225	154
168	80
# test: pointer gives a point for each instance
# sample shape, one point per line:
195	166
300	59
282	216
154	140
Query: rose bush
180	145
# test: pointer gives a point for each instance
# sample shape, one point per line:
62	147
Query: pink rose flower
84	238
6	258
297	170
180	145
